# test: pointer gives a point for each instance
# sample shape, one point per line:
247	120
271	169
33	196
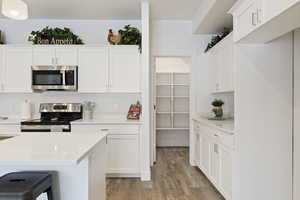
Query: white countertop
107	119
225	125
48	148
11	121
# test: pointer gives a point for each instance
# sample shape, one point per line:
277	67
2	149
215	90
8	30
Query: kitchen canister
26	112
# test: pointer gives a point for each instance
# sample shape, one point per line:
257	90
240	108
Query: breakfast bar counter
78	160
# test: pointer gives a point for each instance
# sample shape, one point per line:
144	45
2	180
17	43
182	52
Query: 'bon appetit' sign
56	41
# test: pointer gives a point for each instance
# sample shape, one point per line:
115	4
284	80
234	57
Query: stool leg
50	193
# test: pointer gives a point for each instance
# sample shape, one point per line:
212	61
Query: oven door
54	78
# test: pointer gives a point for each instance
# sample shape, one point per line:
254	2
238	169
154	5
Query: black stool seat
25	185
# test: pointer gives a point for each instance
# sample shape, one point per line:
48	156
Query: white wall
297	116
175	38
173	64
263	117
10	104
90	31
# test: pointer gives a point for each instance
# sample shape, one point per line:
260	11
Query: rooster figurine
113	39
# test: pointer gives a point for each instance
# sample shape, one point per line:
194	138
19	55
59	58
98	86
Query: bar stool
25	185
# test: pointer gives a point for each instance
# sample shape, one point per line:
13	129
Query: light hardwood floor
172	179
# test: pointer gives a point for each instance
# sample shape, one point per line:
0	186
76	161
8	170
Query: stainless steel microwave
54	78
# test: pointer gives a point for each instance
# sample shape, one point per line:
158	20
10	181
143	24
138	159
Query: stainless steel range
55	117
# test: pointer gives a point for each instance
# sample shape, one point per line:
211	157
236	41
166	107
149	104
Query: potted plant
131	36
89	107
218	110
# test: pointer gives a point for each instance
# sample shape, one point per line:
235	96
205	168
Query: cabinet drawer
224	138
112	129
10	128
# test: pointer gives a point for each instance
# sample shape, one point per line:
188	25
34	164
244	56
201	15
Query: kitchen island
78	160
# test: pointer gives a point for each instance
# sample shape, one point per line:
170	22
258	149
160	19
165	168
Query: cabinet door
226	172
214	163
123	154
125	69
1	68
273	8
205	155
245	19
93	70
197	149
66	56
43	56
226	67
18	61
214	60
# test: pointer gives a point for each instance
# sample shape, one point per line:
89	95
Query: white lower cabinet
214	162
197	149
214	150
205	154
226	172
123	154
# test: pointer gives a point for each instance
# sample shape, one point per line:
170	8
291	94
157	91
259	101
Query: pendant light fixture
15	9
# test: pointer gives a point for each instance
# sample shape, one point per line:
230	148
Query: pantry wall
171	85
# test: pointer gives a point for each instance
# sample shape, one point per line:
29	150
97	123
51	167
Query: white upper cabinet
261	21
93	69
101	69
45	55
272	8
66	55
222	60
125	69
17	70
247	18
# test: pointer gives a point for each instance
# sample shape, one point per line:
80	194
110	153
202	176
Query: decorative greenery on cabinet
216	39
54	36
127	36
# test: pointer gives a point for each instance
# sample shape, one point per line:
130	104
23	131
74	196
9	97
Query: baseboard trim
146	175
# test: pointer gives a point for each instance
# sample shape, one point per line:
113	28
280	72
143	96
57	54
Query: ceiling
110	9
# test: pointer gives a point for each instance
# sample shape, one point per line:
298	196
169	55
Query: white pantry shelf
175	129
172	94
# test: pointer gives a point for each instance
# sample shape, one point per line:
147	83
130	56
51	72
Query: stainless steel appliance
54	78
55	117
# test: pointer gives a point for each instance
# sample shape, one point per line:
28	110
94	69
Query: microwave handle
63	77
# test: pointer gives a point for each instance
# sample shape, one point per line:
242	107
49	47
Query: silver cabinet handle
259	12
254	15
216	148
